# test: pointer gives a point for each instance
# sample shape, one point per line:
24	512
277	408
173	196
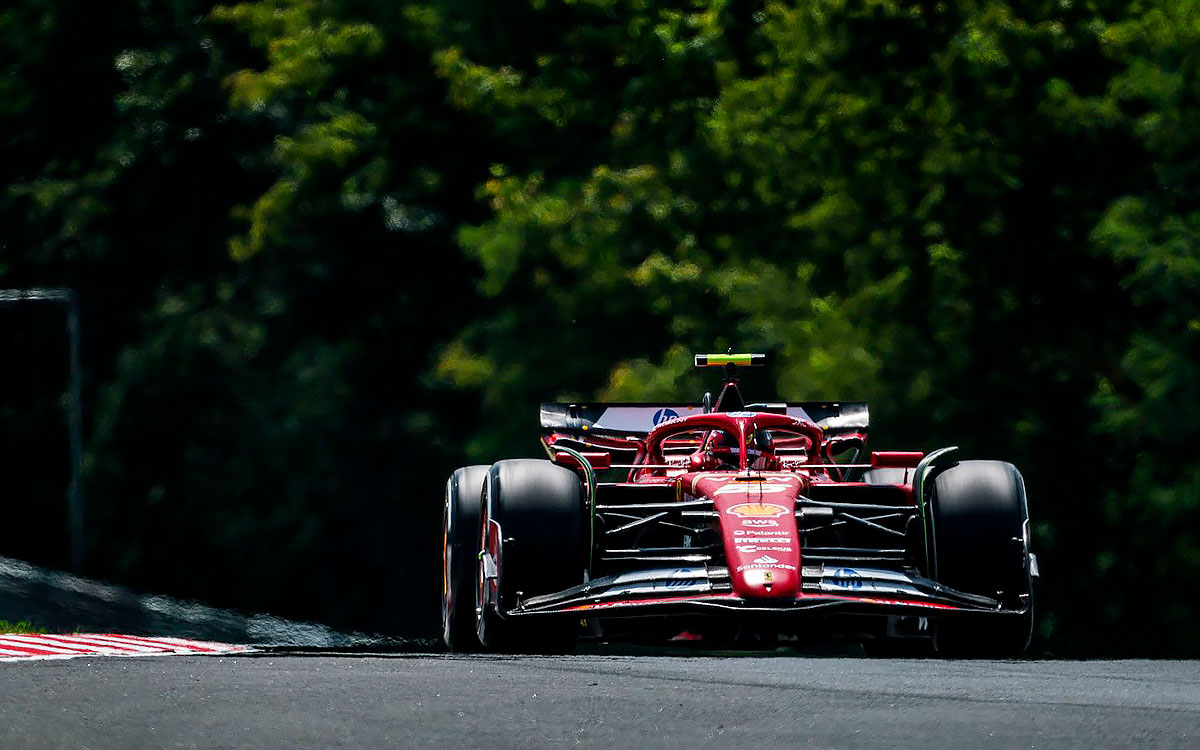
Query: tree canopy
328	250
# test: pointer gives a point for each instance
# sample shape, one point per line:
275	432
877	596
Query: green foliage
21	627
304	46
331	249
1148	401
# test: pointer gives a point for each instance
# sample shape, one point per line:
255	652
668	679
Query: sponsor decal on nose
740	488
756	510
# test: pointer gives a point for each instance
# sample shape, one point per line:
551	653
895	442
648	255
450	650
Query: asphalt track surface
603	701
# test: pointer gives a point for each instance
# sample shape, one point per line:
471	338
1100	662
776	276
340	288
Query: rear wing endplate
616	419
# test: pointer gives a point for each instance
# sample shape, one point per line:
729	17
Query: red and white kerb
37	646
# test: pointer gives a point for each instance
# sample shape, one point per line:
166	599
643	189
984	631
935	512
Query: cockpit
740	441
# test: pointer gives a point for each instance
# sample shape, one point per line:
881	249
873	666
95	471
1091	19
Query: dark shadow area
35	465
59	602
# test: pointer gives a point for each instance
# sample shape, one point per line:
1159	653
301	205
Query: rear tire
460	540
537	548
978	515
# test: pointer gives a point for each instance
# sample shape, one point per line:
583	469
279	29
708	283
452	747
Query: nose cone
758	528
760	581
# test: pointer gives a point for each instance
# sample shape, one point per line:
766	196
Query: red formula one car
725	522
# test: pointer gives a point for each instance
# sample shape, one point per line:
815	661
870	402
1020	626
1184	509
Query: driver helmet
723	448
761	448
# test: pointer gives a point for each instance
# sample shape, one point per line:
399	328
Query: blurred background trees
329	250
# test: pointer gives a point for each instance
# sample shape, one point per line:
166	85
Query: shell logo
756	510
735	488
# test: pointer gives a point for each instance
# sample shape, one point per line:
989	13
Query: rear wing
613	419
834	417
638	419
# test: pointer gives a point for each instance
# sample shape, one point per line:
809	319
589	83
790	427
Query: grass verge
11	628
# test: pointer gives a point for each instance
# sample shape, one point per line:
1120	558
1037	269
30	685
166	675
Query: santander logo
765	560
756	510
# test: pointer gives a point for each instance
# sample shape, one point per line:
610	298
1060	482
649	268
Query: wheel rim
447	563
481	579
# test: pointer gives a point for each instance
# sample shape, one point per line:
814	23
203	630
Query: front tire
532	541
978	544
460	538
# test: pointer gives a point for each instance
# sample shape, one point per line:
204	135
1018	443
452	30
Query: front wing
707	590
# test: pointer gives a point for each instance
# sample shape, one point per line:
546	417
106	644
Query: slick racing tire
978	521
460	539
532	542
